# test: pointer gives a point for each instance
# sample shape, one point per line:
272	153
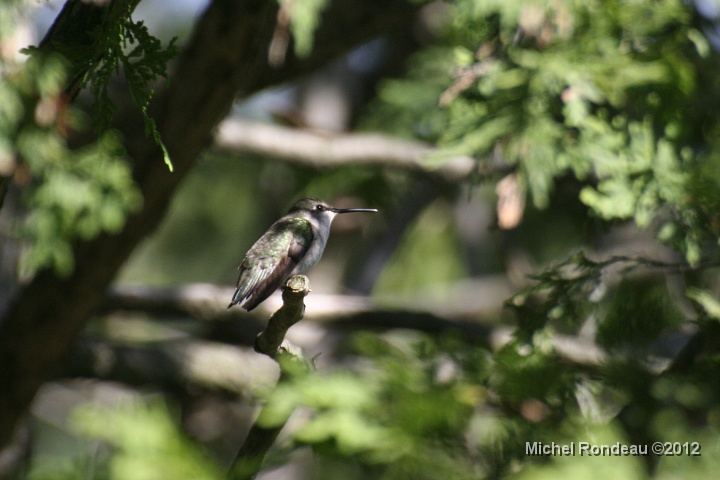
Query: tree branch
260	438
322	150
474	298
175	365
292	311
344	313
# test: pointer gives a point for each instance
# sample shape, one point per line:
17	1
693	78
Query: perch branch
271	342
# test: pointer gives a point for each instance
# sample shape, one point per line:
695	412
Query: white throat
321	231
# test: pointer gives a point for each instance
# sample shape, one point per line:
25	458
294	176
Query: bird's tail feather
238	297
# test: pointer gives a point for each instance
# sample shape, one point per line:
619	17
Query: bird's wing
261	273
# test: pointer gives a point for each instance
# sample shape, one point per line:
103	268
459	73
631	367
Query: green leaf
142	65
146	441
709	302
304	20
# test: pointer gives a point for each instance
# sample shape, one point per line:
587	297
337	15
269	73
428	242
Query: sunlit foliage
72	192
612	92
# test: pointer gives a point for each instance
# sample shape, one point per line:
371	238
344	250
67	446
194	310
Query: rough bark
226	57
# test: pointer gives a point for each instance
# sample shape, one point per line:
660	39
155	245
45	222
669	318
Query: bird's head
322	211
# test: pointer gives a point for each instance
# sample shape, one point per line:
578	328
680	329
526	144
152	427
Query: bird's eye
319	208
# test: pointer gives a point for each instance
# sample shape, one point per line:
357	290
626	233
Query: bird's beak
351	210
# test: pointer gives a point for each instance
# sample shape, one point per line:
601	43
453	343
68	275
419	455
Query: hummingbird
291	246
